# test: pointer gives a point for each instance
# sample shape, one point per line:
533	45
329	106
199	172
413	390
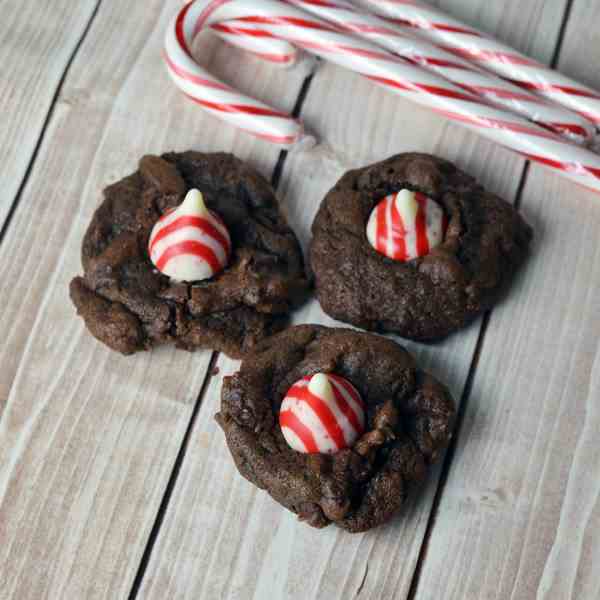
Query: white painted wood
36	41
520	514
221	537
88	438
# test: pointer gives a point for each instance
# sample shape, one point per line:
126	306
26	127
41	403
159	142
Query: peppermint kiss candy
406	225
190	242
322	413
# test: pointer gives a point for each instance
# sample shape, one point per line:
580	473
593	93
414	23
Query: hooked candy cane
284	22
478	47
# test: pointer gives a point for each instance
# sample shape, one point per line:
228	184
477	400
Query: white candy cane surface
465	74
396	74
190	243
406	225
323	413
472	44
209	92
252	40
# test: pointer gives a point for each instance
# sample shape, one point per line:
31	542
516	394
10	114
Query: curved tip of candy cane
306	141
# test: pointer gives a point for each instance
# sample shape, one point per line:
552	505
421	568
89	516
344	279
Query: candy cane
287	23
419	51
457	70
476	46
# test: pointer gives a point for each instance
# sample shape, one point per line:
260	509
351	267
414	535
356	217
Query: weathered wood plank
88	439
36	42
520	514
223	538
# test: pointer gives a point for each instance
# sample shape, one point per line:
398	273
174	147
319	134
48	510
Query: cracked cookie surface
431	296
409	423
128	305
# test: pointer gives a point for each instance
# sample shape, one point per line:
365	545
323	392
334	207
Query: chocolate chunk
162	175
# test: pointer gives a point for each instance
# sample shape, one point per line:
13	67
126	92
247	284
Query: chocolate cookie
422	270
408	418
130	305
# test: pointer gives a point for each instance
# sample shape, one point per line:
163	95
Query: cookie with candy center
191	250
413	245
406	225
344	447
322	414
190	242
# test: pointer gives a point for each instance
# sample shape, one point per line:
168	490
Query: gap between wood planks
164	504
466	393
53	102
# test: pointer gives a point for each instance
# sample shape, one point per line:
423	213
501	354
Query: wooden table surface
115	481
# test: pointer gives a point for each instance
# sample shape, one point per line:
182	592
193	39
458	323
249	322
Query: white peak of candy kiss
193	204
406	225
319	385
407	205
321	413
190	243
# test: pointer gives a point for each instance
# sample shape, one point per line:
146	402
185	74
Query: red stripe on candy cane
238	108
179	28
303	23
418	87
205	14
502	93
181	72
275	139
436	26
591	117
575	129
569	167
548	87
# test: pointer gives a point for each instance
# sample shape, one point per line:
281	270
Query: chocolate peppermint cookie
336	425
191	249
415	246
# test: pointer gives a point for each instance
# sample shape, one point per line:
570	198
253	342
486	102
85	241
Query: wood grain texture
520	514
36	41
88	438
221	537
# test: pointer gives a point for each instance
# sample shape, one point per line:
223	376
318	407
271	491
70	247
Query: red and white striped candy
474	45
281	21
322	414
190	243
467	75
406	225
